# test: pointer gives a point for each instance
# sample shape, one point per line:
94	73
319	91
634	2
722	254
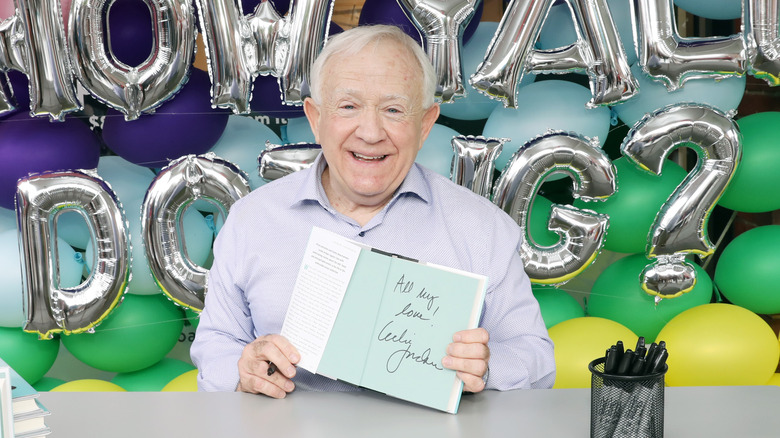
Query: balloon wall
644	191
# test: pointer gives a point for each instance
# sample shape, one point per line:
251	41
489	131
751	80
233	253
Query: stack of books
21	414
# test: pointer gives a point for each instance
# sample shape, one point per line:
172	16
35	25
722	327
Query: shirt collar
311	190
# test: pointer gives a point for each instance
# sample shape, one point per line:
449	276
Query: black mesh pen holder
626	406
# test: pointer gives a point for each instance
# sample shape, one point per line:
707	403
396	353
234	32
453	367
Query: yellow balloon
88	385
578	341
719	344
774	380
186	382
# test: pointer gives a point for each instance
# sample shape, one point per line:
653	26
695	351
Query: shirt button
362	234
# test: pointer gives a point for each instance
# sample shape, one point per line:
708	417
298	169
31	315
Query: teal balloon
153	378
7	219
558	29
752	189
542	106
12	294
299	131
128	181
723	94
437	152
617	294
198	237
136	335
713	9
24	352
633	208
242	142
475	105
556	305
747	272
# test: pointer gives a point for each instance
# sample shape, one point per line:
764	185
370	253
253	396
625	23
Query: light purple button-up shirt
260	247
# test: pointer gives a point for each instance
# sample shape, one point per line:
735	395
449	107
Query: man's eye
394	111
348	107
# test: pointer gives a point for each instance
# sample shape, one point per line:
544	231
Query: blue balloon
128	181
475	105
198	236
436	153
542	106
7	219
242	142
714	9
12	294
298	131
558	29
724	94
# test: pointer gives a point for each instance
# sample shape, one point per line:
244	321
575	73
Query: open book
379	320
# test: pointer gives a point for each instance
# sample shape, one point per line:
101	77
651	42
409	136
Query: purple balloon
390	12
21	92
131	35
281	6
267	96
36	145
186	124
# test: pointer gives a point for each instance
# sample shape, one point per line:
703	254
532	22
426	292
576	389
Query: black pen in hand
271	368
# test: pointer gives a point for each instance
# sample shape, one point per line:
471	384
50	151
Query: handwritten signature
396	359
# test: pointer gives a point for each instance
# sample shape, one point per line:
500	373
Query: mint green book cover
394	324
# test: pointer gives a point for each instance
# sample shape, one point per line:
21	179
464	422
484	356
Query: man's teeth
367	158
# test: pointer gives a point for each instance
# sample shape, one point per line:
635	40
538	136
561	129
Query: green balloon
537	222
747	272
752	189
153	378
136	335
617	294
24	352
47	384
556	305
634	206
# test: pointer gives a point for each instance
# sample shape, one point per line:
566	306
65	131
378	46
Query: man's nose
371	129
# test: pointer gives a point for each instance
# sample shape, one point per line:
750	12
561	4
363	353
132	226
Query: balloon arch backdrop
622	174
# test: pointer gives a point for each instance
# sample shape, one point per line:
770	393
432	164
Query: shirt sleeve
521	351
225	325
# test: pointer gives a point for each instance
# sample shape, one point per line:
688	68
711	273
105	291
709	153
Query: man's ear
429	119
312	112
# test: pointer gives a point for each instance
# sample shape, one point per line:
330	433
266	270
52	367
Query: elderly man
371	108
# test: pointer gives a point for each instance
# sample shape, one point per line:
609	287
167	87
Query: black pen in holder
626	406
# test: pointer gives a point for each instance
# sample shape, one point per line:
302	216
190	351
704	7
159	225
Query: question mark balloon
680	227
582	232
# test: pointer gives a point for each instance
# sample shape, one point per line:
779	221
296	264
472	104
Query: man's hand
468	354
253	366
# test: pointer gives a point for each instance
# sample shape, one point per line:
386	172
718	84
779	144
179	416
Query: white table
748	411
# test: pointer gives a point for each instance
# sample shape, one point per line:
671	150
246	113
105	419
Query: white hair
352	41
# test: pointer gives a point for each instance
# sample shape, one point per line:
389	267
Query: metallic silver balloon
442	23
680	228
474	161
305	33
277	161
671	59
133	90
239	47
40	199
500	73
178	185
598	51
762	37
582	232
43	57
